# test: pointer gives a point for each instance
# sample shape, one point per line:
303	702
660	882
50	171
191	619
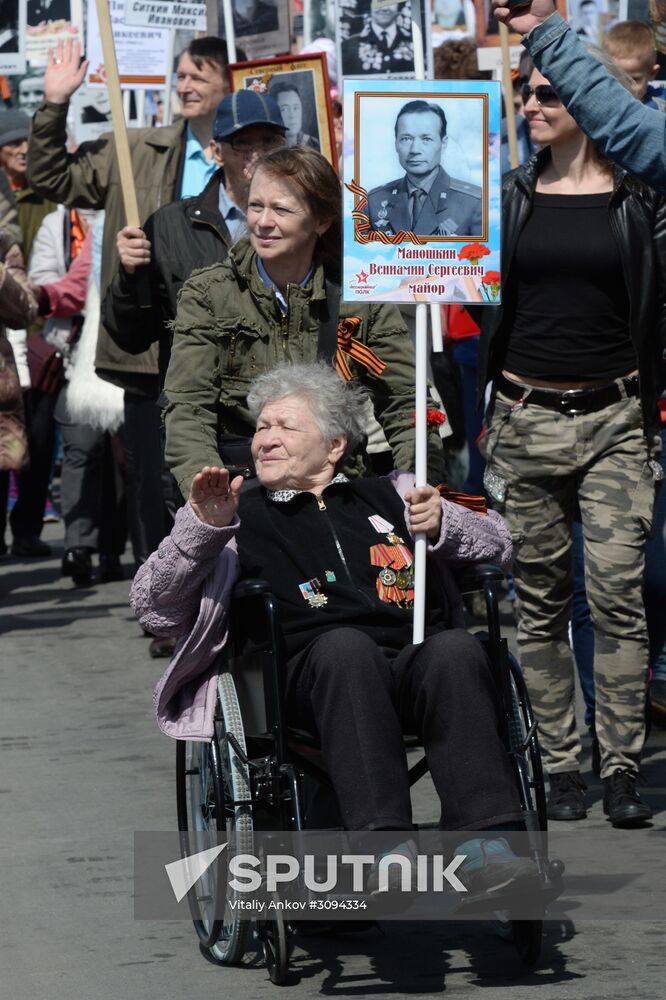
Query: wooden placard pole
117	114
507	85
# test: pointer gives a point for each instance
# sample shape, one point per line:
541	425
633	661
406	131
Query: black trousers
149	521
360	699
33	483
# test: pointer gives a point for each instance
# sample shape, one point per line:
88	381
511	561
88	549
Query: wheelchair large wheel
213	792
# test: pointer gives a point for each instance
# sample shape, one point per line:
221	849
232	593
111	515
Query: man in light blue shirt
623	129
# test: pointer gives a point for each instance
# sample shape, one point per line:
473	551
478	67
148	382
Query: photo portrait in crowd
452	19
585	17
49	22
12	36
300	86
261	26
375	38
422	190
30	91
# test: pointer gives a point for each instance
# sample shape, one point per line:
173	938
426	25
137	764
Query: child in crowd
631	45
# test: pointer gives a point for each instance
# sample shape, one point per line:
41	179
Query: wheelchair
256	773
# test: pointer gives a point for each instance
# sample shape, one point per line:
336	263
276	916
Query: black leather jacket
185	235
638	222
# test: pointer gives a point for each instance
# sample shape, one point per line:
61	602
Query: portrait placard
183	15
261	26
586	18
422	191
12	37
142	53
376	41
300	87
49	22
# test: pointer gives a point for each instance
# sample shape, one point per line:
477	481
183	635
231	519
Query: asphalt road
83	766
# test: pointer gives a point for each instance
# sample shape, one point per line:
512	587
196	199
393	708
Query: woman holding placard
277	298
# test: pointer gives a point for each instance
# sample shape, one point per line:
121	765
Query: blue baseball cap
244	108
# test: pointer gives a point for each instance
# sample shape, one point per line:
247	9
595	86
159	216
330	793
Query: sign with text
141	53
422	191
166	14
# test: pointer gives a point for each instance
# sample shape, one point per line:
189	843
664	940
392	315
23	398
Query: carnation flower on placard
492	279
473	252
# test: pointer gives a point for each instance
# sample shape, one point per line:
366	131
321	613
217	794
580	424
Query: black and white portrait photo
12	36
584	16
294	94
261	26
433	159
300	87
375	40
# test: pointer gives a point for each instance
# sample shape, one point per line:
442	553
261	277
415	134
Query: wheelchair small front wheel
274	938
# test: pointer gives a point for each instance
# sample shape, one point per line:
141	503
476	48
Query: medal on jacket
311	591
395	580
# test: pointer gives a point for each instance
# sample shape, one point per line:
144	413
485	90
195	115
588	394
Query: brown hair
319	185
213	50
456	60
631	40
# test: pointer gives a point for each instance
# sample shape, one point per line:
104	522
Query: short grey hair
338	407
611	67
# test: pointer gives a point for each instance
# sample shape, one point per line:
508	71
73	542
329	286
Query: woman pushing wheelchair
338	556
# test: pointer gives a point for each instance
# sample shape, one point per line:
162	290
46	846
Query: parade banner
300	87
261	27
142	53
374	38
177	14
422	191
12	37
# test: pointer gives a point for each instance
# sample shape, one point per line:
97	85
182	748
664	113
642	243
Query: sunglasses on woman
543	92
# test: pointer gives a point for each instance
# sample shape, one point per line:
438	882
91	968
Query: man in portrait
382	46
289	100
425	200
253	17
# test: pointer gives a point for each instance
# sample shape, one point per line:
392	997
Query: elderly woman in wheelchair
338	556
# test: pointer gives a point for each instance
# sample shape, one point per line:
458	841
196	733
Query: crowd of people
131	358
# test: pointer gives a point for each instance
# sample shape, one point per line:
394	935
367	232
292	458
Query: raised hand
425	511
64	72
213	498
522	18
133	248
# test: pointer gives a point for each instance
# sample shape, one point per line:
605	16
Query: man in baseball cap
190	234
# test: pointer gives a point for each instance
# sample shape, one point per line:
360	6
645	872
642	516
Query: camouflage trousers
540	465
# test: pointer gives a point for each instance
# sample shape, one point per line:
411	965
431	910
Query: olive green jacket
229	329
89	178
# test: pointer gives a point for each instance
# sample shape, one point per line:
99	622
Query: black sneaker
110	569
77	563
622	803
566	800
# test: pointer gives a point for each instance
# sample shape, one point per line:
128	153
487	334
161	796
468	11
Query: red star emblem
362	278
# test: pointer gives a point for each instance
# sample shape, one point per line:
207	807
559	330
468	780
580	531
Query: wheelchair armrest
251	588
473	577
